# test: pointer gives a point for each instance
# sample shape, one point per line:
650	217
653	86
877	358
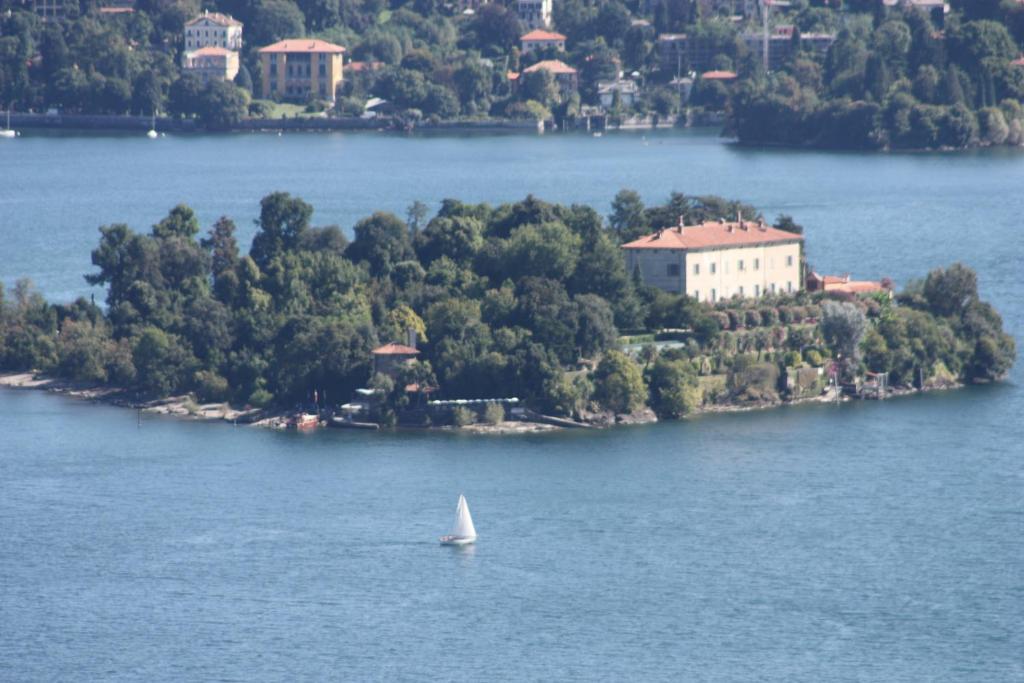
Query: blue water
873	541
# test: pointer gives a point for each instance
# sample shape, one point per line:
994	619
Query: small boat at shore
463	531
303	421
8	132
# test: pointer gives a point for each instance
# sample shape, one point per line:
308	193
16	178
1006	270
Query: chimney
412	338
761	226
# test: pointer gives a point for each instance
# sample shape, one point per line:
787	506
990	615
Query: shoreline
187	408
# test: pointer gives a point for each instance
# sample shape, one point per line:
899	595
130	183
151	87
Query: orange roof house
389	358
843	283
302	45
719	75
718	260
297	68
539	39
712	235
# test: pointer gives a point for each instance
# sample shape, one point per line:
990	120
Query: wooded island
529	300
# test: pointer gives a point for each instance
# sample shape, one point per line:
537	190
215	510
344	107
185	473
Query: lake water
874	541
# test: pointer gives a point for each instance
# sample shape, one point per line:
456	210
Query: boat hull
457	540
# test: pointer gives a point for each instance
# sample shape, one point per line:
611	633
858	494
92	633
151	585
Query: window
273	69
757	264
789	260
673	270
696	294
714	295
773	287
789	286
696	269
740	266
757	290
712	268
741	290
323	69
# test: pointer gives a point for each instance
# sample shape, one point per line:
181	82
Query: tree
243	79
282	221
596	329
539	86
222	105
627	218
842	326
459	238
950	291
382	240
274	20
184	96
496	29
147	95
619	384
547	250
161	362
180	222
674	388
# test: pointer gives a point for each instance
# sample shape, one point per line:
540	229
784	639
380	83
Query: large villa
718	260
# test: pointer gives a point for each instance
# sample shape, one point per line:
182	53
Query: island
528	311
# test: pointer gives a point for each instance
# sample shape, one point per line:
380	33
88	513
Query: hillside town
866	73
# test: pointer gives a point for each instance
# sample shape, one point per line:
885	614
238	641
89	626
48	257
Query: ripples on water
876	541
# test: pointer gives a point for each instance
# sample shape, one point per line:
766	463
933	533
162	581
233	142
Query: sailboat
8	132
463	532
152	128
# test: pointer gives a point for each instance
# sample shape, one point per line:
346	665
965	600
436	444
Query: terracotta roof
303	45
364	66
857	287
718	75
555	66
215	17
1018	62
538	34
210	52
395	350
710	235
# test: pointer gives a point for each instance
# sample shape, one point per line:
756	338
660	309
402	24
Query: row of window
757	291
741	265
298	71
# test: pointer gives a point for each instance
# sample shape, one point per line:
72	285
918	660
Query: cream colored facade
213	30
211	64
296	69
748	272
719	261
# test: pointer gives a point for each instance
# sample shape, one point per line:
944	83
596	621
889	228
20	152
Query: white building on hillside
213	29
534	13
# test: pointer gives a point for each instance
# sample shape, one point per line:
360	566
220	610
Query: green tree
619	384
674	388
382	240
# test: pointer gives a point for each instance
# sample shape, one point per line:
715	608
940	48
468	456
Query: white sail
463	526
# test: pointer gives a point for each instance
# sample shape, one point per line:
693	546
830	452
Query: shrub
769	316
261	398
463	416
785	314
210	386
813	358
735	319
752	318
793	359
494	413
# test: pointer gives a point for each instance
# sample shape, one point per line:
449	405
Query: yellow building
718	260
295	69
